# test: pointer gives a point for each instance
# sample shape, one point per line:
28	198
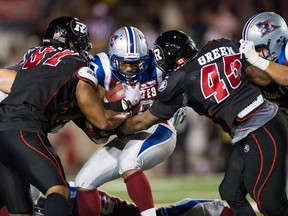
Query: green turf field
171	189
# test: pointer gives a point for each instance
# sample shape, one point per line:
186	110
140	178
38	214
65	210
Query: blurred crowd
23	24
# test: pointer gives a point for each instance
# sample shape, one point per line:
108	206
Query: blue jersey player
129	63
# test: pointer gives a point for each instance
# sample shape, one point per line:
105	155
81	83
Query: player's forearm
115	120
133	125
279	73
257	76
109	120
139	122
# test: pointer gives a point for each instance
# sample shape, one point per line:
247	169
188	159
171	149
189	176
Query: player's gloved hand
132	94
248	49
96	135
178	116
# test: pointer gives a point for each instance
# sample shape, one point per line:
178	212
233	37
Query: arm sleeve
115	106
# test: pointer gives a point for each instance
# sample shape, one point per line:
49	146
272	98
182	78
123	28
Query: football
116	93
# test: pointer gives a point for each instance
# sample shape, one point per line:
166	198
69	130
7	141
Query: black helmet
172	49
63	31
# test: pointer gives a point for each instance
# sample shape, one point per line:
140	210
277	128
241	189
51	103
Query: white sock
149	212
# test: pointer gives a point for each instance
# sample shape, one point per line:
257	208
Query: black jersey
44	88
277	94
213	84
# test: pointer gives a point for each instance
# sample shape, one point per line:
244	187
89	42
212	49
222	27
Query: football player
212	81
130	64
52	79
265	46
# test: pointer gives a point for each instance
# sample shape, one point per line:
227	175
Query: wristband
261	63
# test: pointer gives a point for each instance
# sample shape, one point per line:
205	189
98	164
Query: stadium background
196	167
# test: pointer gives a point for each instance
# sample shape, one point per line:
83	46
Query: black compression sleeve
115	106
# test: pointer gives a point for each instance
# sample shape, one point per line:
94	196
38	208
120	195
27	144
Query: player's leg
143	151
35	194
266	182
36	161
111	205
14	189
232	188
15	192
94	173
114	206
54	186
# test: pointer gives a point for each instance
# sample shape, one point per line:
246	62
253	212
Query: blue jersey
149	79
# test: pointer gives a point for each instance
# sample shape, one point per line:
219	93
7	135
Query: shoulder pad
87	75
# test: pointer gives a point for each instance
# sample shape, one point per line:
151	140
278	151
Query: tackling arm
92	107
257	76
139	122
278	72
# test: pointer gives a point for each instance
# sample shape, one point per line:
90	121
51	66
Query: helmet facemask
139	65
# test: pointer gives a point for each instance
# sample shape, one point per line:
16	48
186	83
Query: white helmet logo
80	27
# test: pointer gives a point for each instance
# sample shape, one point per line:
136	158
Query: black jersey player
49	83
213	82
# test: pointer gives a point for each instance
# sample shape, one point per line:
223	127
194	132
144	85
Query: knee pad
226	192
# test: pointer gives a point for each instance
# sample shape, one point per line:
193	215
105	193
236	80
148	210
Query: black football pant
27	158
257	166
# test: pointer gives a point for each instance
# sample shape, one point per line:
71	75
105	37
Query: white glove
132	94
178	116
248	49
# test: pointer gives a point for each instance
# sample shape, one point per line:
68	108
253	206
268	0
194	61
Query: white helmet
128	44
267	30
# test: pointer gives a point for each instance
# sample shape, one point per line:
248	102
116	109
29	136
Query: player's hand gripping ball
132	93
